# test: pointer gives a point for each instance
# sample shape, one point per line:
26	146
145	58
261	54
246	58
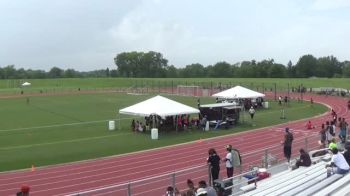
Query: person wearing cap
229	161
287	144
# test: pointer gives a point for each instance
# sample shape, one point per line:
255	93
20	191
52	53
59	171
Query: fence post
275	91
173	180
266	158
129	189
172	87
306	144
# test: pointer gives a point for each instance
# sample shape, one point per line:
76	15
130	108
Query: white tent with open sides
160	106
26	84
238	92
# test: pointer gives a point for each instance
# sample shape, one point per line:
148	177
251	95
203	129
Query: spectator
323	135
201	192
24	191
210	190
170	191
339	161
214	162
251	112
304	159
347	152
287	144
280	100
309	125
133	125
204	122
229	161
333	144
191	191
343	125
329	130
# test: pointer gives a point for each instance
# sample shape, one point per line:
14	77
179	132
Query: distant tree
306	66
113	73
70	73
107	72
277	71
328	67
346	69
9	72
172	72
55	72
222	70
247	69
290	70
193	71
140	64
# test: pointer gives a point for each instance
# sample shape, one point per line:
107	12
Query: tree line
153	65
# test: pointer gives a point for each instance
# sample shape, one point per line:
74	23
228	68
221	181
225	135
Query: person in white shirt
229	161
251	112
339	161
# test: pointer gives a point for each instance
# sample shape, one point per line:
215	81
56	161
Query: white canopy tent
238	92
160	106
26	84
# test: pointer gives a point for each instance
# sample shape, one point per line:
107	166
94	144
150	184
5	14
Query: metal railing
155	185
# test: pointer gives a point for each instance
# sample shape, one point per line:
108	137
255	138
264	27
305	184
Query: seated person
309	125
140	128
339	161
304	159
333	144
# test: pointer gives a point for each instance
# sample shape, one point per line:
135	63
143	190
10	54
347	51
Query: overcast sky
87	34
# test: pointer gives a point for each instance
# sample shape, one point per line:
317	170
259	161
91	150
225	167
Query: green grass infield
47	130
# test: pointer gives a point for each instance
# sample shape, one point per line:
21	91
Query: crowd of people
203	189
335	128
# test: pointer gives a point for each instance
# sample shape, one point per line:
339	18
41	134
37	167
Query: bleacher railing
156	185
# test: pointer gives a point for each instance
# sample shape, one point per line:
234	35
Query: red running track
92	174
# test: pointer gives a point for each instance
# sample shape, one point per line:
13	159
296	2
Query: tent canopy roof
218	105
160	106
26	84
238	92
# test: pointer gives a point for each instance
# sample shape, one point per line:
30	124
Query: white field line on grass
62	142
61	125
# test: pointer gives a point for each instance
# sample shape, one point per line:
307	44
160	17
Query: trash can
154	134
111	125
266	104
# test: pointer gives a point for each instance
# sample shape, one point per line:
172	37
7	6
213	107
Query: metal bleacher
303	181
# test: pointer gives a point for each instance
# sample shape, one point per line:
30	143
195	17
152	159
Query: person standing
323	136
229	161
287	144
251	112
214	162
